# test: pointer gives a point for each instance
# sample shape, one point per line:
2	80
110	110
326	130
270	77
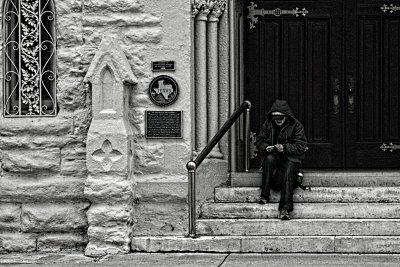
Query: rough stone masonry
43	161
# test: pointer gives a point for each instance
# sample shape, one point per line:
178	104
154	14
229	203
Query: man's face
279	119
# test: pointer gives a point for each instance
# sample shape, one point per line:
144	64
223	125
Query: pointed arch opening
107	90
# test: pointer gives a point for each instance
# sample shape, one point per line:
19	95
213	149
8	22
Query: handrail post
191	167
247	138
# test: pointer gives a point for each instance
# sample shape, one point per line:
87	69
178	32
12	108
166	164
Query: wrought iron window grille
29	58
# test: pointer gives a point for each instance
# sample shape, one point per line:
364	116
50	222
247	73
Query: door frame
236	73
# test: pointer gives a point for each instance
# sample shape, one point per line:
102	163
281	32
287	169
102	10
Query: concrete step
299	227
328	178
269	244
316	195
302	211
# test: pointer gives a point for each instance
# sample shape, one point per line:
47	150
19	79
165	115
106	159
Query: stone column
201	79
109	152
212	73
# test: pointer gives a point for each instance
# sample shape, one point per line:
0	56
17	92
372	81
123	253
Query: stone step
328	178
302	211
269	244
299	227
316	195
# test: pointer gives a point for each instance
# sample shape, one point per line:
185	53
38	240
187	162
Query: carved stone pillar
201	79
212	73
109	152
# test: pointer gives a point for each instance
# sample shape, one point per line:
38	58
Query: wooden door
371	95
298	58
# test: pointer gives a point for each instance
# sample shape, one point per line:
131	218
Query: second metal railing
194	164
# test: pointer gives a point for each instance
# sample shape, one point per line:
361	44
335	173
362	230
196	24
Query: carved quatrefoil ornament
106	155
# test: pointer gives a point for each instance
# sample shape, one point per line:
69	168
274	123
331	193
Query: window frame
31	58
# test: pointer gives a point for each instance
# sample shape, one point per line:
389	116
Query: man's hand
279	148
270	148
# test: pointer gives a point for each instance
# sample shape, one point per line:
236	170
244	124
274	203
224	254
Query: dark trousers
279	174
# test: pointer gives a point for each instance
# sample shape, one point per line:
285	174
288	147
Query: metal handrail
194	164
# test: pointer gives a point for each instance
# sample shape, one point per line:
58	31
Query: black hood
281	106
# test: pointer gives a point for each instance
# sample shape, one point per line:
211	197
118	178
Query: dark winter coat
291	135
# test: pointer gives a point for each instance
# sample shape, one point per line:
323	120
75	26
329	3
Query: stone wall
43	160
160	165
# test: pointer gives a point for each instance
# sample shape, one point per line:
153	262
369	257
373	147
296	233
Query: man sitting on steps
282	144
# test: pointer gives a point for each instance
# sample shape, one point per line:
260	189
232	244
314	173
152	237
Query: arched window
29	58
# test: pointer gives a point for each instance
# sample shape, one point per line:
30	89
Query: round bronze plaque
163	90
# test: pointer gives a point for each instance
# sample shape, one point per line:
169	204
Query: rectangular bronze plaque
163	124
162	65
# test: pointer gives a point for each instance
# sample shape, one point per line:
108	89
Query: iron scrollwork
253	148
389	147
390	8
253	12
29	58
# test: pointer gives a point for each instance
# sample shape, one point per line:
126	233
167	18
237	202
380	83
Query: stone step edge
329	173
269	244
312	188
308	219
220	210
327	178
317	194
300	227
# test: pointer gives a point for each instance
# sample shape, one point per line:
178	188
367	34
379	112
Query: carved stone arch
29	56
107	81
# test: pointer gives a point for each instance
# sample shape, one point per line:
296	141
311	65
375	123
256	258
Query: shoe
284	215
262	200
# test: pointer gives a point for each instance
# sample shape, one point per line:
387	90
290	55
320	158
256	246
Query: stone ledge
301	210
321	244
367	244
301	227
317	194
181	244
294	244
270	244
327	178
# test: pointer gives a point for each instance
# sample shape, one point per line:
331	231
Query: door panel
372	60
297	59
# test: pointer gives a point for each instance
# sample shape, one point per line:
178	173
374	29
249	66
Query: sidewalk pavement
199	259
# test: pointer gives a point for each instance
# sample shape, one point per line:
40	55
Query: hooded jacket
291	134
